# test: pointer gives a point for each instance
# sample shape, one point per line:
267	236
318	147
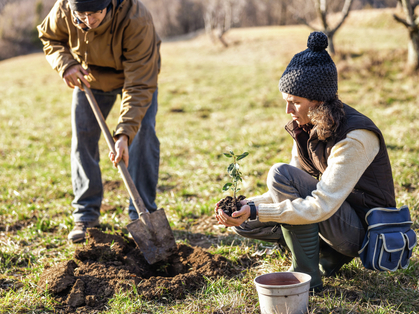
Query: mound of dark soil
111	263
229	206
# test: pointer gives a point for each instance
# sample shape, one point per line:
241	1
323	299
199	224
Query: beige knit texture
347	162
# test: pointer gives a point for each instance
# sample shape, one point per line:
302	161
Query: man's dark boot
331	260
303	241
79	231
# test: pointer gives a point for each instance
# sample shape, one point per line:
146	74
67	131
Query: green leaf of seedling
233	172
230	168
227	186
242	156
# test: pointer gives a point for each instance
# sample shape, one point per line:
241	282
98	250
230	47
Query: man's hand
74	74
121	149
236	219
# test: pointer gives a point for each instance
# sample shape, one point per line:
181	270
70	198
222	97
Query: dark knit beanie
311	73
88	5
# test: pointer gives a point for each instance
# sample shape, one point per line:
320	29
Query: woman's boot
303	241
331	260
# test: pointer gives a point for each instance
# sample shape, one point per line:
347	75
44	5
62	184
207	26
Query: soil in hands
229	206
109	263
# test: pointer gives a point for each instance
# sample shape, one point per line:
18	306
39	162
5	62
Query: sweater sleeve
347	162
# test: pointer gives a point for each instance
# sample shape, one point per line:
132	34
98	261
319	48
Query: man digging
112	47
339	170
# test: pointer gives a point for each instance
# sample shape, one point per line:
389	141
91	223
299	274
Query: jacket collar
292	127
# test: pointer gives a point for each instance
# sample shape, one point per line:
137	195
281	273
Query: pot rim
298	274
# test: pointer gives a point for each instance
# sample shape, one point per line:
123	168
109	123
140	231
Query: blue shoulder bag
389	241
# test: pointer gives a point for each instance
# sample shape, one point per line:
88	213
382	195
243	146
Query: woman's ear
317	103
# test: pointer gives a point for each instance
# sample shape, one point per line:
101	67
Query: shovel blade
153	235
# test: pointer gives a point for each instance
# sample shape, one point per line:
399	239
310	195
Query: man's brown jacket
122	52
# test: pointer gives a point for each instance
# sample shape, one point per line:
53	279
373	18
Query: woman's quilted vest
375	188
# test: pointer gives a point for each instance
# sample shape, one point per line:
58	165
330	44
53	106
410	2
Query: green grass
211	100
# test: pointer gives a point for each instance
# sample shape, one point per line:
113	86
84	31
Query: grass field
211	100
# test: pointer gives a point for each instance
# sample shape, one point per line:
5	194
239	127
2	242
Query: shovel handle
132	190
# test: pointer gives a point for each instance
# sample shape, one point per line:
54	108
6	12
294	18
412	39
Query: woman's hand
236	219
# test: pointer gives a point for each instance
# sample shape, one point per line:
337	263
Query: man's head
90	12
311	73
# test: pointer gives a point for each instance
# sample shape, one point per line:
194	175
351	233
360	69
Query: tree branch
300	19
400	20
408	11
320	6
345	12
3	3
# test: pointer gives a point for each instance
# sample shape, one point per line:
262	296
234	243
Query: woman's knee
275	173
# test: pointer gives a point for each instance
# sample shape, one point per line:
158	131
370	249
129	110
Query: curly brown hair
327	117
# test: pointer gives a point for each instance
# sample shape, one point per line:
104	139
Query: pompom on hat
88	5
311	74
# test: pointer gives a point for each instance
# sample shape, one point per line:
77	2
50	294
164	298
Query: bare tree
264	12
219	17
3	4
411	21
321	9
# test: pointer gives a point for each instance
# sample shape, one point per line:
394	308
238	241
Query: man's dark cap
88	5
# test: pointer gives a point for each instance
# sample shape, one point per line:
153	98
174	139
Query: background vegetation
211	100
18	18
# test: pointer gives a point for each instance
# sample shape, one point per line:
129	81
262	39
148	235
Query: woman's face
298	108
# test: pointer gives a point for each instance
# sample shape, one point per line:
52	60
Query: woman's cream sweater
347	162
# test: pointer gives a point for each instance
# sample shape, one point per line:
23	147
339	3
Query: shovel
151	231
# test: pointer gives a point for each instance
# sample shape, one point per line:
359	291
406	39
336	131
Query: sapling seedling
234	172
236	176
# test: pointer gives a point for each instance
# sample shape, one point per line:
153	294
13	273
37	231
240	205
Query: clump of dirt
229	206
109	185
110	263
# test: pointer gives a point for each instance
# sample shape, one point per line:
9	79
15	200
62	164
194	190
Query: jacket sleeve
54	35
141	67
346	164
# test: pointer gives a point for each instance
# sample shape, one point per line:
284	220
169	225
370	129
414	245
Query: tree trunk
412	24
331	46
283	13
208	20
413	52
221	38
